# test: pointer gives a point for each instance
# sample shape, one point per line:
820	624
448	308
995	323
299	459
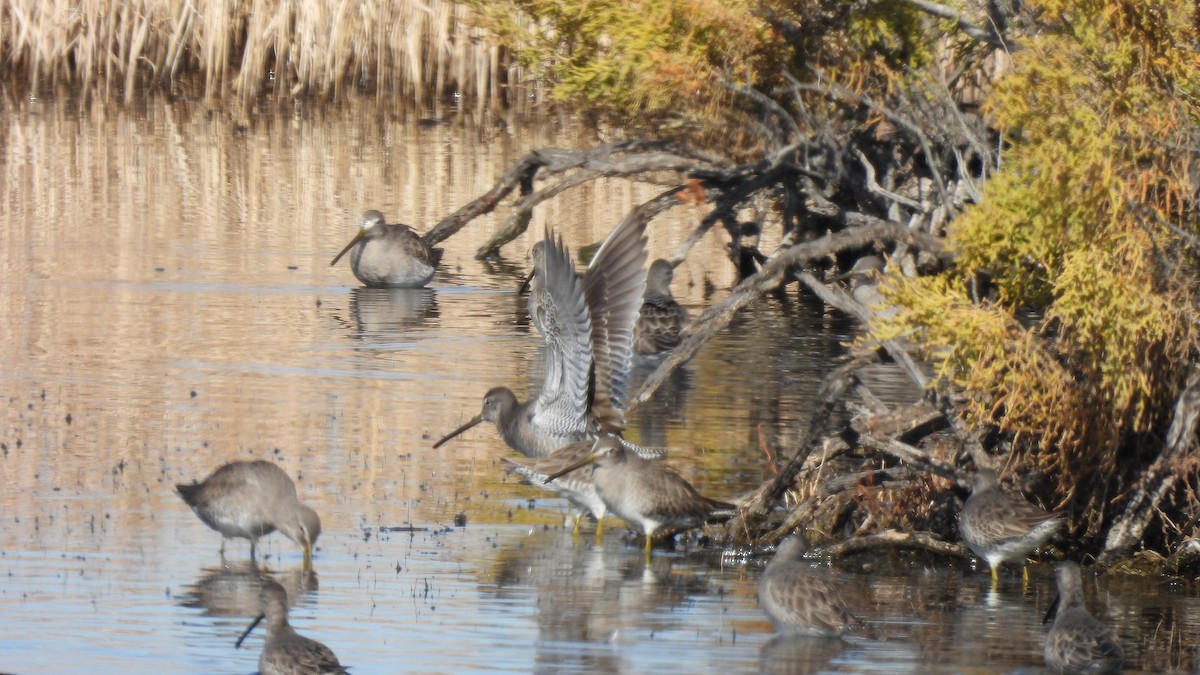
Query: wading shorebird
386	255
798	599
587	322
1000	527
287	652
1078	642
646	494
251	500
575	486
660	321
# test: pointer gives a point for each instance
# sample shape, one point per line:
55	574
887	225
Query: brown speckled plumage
1001	527
660	321
286	652
800	600
1078	642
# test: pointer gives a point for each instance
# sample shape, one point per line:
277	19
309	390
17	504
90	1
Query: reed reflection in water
167	306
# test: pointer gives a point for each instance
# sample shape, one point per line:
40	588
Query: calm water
167	305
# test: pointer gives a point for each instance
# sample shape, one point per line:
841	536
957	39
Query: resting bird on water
798	599
389	255
1077	642
286	652
660	321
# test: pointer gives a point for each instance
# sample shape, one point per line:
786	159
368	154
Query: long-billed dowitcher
587	322
250	500
798	599
648	495
660	321
389	255
1000	527
287	652
1078	642
575	486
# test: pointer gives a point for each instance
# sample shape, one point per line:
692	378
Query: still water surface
167	306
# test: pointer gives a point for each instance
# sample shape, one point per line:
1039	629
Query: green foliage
1084	225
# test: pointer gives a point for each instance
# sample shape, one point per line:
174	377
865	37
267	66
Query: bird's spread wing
562	403
614	285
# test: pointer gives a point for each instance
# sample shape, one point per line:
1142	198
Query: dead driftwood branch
774	273
625	158
1159	478
758	502
890	540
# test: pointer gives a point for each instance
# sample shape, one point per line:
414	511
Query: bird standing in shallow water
286	652
575	486
587	322
250	500
800	600
660	321
1000	527
386	255
648	495
1077	642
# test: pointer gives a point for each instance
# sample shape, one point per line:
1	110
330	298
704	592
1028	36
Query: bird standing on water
251	500
286	652
1000	527
1078	643
575	486
587	322
389	255
660	321
648	495
800	600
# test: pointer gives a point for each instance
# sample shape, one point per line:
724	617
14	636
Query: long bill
577	465
470	423
253	624
1053	608
357	238
525	283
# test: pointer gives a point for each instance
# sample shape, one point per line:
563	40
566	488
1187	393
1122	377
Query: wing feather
613	286
562	404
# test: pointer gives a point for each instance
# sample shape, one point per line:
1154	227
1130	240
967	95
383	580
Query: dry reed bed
416	49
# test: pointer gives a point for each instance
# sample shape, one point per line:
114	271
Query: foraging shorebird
660	321
287	652
587	322
647	494
386	255
251	500
1078	642
798	599
1000	527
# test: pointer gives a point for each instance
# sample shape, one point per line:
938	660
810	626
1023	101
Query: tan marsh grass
249	49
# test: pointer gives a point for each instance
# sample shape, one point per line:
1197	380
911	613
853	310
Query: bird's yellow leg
649	541
575	530
599	528
995	577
